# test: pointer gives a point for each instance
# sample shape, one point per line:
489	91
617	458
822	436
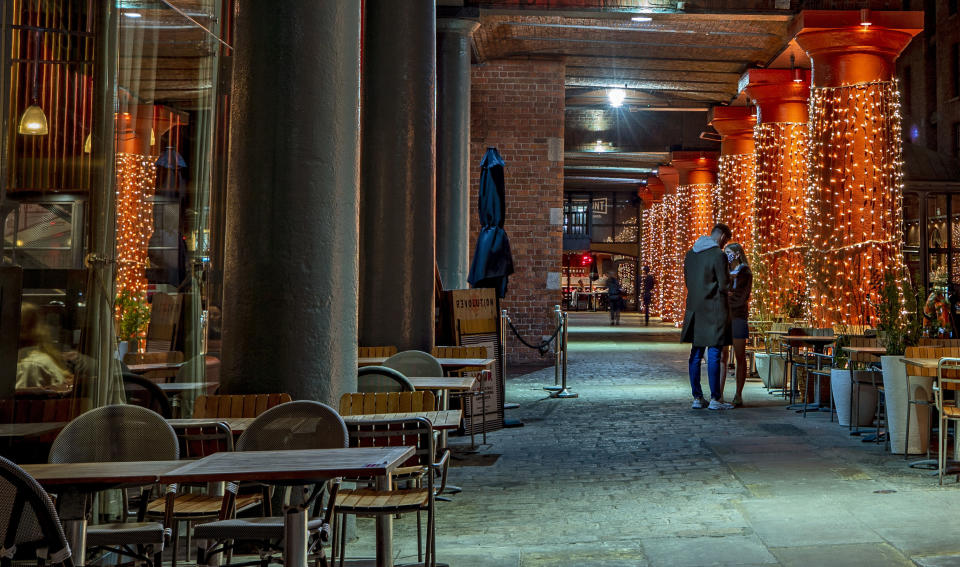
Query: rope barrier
544	345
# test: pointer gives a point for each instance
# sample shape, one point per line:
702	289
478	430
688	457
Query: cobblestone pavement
627	474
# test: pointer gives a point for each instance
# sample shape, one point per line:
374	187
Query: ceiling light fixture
865	17
641	19
616	97
133	14
797	77
34	121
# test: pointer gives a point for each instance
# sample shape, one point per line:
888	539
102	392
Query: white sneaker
698	403
718	405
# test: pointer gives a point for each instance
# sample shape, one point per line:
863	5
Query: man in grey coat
706	322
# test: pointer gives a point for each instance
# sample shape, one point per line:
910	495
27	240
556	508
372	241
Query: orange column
782	144
688	214
855	195
653	247
737	170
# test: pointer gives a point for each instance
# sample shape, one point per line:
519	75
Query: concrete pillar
290	268
453	150
783	150
736	170
398	174
854	203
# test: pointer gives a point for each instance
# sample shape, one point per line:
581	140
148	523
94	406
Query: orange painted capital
656	188
695	168
735	126
778	95
846	52
670	177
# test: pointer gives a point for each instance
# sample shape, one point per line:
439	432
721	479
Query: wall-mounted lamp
797	76
865	17
616	97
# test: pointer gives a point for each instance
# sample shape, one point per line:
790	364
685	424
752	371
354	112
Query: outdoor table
818	342
13	430
301	466
446	363
441	420
153	366
74	482
871	350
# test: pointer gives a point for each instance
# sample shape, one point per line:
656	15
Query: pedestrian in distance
706	321
738	297
614	297
648	284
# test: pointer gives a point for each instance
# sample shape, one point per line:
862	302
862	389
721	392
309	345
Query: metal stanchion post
558	355
564	392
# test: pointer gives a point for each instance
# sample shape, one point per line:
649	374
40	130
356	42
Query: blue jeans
714	371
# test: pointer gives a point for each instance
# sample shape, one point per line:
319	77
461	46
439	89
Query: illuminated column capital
735	126
695	168
781	95
656	187
855	46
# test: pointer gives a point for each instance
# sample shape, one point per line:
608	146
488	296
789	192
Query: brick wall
517	106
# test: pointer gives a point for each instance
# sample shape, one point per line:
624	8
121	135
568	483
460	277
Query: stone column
397	183
854	201
782	145
736	170
453	150
290	268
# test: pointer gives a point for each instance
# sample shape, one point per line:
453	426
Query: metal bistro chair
29	526
294	425
948	378
414	363
417	432
120	433
382	379
140	391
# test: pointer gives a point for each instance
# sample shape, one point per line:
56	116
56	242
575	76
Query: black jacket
706	321
739	295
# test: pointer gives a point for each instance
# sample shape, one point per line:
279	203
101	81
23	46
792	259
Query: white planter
864	411
895	387
770	369
840	387
122	348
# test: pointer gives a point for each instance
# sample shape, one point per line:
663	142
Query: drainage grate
781	429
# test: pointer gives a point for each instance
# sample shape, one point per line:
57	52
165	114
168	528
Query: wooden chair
156	357
461	352
926	341
925	351
375	351
948	371
365	403
249	405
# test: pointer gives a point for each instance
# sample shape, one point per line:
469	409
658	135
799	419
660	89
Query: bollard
557	355
564	392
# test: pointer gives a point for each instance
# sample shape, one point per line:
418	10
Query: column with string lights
855	193
736	171
782	149
136	181
652	245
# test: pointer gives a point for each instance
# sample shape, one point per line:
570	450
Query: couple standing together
718	281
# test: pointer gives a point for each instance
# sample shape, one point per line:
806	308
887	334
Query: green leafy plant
132	314
898	321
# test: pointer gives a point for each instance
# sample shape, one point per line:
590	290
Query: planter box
896	387
770	368
840	388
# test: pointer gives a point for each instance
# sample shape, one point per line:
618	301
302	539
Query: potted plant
132	315
897	328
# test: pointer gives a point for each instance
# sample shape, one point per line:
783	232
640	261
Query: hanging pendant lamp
34	121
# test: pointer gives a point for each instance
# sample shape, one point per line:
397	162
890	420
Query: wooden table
304	466
443	383
446	363
929	363
75	482
441	420
153	366
12	430
871	350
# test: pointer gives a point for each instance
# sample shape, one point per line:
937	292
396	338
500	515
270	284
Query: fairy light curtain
702	210
734	196
854	199
677	229
652	252
780	213
136	176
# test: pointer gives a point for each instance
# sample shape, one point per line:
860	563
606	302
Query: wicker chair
417	432
122	433
29	526
414	363
142	392
318	427
382	379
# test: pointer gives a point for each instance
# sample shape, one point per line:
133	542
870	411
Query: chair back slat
366	403
412	432
376	351
248	405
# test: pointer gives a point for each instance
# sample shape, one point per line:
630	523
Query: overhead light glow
133	14
641	19
865	17
616	97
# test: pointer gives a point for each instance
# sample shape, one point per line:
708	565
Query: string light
854	200
734	196
136	178
777	258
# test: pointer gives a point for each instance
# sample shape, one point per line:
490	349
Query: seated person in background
39	363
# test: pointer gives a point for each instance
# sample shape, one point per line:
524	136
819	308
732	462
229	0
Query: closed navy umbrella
492	260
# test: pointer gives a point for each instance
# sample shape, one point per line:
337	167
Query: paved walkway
627	475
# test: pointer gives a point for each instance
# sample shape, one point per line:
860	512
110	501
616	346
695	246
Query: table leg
72	510
445	405
384	528
295	537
